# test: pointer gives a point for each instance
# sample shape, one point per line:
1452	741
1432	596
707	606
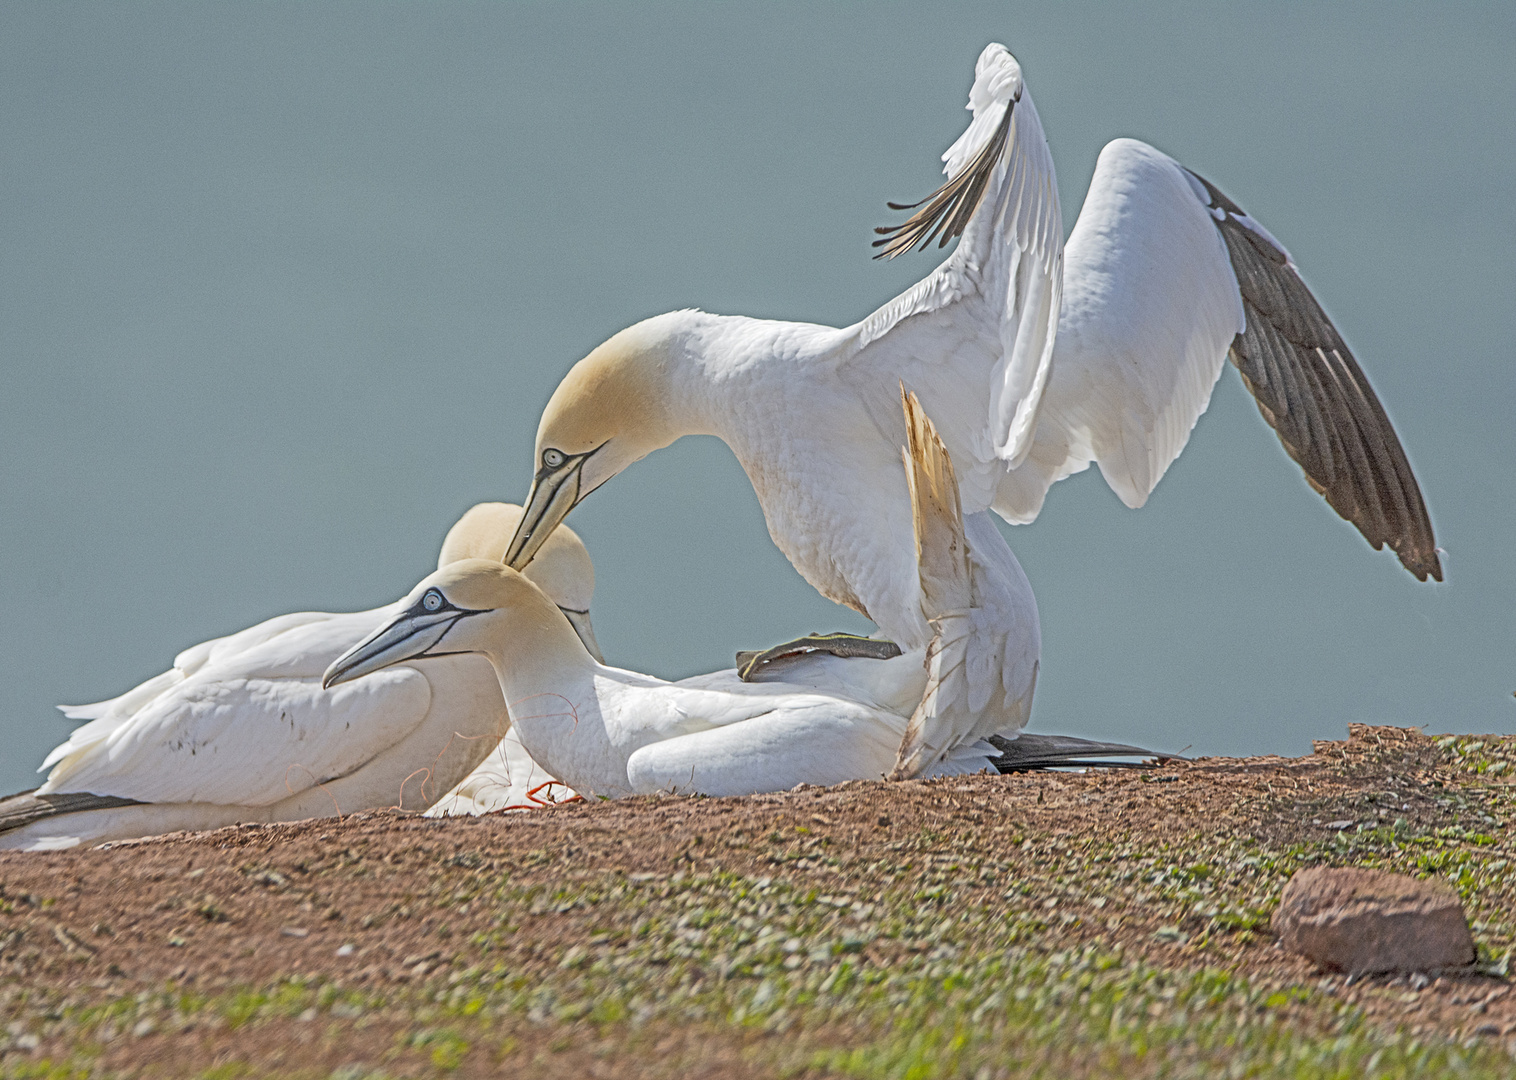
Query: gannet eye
553	458
433	600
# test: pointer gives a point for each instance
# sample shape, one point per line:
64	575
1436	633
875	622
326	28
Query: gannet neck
682	373
549	682
511	622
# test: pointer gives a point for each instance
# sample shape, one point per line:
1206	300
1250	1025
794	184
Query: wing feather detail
1312	392
949	208
975	337
248	729
27	808
1165	278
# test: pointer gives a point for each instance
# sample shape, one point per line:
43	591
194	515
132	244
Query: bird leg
753	666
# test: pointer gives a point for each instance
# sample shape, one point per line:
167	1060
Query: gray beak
580	621
554	493
413	634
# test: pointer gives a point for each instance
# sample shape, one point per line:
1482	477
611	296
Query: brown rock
1361	921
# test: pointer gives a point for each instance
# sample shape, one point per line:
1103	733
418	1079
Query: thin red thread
317	783
401	804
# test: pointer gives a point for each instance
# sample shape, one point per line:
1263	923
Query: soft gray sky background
284	287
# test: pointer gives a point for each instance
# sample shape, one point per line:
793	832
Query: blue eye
553	458
433	600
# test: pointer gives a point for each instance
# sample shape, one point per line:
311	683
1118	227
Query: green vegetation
997	952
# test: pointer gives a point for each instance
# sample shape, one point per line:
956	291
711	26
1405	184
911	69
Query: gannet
241	730
818	719
1033	358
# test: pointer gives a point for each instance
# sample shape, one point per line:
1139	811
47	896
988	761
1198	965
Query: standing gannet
820	720
1162	279
241	730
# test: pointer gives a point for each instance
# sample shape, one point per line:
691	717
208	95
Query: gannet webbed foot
752	664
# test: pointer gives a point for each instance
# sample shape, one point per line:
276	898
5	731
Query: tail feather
1028	752
947	587
28	807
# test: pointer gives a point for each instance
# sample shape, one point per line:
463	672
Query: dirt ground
1078	924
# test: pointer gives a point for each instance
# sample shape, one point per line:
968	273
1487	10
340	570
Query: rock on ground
1361	921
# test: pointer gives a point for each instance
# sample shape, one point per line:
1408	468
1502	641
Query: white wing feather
105	716
975	338
1150	308
251	729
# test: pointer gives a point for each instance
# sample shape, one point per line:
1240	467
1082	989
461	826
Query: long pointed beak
408	636
554	493
580	621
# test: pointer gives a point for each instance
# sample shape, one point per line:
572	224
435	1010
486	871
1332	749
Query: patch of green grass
883	986
983	953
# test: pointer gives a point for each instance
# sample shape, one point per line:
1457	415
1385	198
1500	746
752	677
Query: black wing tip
1311	390
1420	565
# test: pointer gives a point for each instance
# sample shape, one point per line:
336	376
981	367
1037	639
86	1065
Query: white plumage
1150	308
240	728
610	732
1033	361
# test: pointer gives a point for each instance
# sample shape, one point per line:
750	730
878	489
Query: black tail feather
1028	752
20	810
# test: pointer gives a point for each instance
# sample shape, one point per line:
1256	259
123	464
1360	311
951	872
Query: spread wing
1164	278
982	660
975	338
249	730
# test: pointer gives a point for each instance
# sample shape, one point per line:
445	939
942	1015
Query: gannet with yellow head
241	730
1035	362
816	719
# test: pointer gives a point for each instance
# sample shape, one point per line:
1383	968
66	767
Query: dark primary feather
949	208
1316	397
28	807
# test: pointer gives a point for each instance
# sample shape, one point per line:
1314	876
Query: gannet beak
580	621
555	490
411	634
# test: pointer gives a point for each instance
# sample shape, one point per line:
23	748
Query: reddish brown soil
247	906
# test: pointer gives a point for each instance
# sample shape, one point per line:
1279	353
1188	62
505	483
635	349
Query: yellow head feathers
562	567
616	398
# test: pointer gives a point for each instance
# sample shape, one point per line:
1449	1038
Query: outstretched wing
1312	392
982	659
1164	277
975	338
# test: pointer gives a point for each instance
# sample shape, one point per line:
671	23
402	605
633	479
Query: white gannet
240	728
1162	279
605	731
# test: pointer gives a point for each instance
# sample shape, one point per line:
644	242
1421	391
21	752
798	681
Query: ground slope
1110	924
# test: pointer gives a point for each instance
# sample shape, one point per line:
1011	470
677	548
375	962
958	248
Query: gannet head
611	410
467	606
562	568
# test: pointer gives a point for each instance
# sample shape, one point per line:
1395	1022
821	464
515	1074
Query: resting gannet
240	728
819	719
1033	359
